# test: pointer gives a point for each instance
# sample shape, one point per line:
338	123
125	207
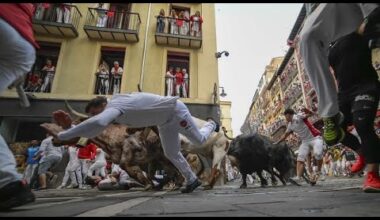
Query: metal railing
107	84
121	20
57	13
178	26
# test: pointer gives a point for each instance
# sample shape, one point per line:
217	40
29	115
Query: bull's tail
225	134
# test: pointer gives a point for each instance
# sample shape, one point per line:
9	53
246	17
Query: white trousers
169	86
85	165
48	81
327	23
183	123
316	144
99	167
102	21
16	59
73	170
65	13
29	170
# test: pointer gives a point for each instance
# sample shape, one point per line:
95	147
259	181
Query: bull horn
146	132
72	111
225	133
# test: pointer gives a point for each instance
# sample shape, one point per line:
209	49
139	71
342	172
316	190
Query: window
120	18
110	71
41	78
181	26
35	131
177	78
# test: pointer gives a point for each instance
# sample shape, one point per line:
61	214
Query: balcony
287	78
177	33
56	20
104	24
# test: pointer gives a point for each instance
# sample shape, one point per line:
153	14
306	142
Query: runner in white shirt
142	110
310	137
99	166
72	170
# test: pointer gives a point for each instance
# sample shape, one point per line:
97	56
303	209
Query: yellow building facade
130	36
225	116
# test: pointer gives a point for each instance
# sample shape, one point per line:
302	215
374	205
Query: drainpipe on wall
144	53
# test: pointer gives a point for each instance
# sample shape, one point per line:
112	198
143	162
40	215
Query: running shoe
332	133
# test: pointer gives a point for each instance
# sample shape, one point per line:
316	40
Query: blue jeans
160	26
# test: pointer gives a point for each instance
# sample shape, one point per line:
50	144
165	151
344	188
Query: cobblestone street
333	197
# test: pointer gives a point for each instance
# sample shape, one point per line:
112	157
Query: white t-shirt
298	126
119	71
49	149
123	176
100	155
73	153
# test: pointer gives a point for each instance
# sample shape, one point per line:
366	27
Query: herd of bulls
139	150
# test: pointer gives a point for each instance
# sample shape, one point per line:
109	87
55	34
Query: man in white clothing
50	157
310	137
142	110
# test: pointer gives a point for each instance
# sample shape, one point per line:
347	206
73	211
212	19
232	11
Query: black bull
255	153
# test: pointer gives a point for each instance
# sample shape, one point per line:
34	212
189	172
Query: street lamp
219	54
223	94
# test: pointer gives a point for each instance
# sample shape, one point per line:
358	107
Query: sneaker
71	186
189	188
314	178
372	183
217	126
322	178
61	187
358	165
332	133
15	194
296	180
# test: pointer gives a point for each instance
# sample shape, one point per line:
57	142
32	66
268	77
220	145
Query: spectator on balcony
63	12
161	21
111	17
49	68
40	9
178	82
102	15
173	22
170	81
185	87
196	24
117	72
102	84
181	23
34	83
187	22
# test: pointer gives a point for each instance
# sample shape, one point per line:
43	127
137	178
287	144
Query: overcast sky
252	34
